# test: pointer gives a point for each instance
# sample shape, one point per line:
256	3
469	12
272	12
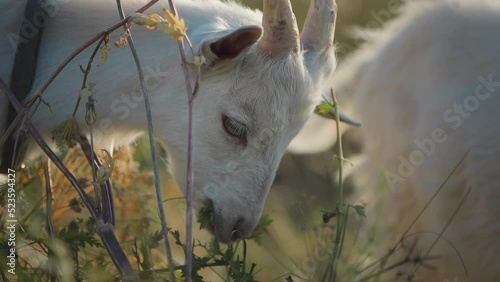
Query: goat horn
281	34
319	27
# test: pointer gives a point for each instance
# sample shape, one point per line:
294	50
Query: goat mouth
207	221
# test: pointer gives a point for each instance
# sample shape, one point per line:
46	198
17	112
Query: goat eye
234	128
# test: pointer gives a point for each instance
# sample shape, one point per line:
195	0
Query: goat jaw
281	34
319	27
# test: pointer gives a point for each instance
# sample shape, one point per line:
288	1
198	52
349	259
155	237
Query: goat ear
230	45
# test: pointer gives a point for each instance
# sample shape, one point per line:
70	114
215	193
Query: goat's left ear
231	45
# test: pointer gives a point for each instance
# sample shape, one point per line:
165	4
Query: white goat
426	89
256	93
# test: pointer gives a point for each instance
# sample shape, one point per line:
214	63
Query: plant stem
442	230
152	145
86	73
107	207
385	259
38	95
48	217
190	164
341	212
108	238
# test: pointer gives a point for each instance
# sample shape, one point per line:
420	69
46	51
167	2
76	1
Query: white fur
273	96
399	85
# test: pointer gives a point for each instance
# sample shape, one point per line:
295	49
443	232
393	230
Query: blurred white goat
427	90
256	92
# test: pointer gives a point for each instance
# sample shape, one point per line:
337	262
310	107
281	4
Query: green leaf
104	54
360	210
105	171
325	107
200	261
177	238
79	238
261	228
155	239
206	216
87	91
66	134
214	247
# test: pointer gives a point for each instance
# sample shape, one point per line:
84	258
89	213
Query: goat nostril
236	234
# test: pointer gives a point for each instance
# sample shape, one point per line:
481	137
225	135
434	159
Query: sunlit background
306	184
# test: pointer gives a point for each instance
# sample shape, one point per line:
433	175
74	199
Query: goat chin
426	88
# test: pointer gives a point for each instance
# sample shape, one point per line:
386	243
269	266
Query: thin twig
152	145
87	71
387	269
38	95
208	264
190	164
457	209
93	164
48	216
342	212
383	260
105	230
48	151
447	241
12	127
108	206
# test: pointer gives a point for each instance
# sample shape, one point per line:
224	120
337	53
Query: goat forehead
269	108
276	91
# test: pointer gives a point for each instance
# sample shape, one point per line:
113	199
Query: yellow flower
171	24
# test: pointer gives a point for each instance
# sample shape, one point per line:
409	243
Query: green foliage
206	215
79	238
66	134
106	169
325	107
261	228
84	257
88	90
228	257
104	52
360	210
237	267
